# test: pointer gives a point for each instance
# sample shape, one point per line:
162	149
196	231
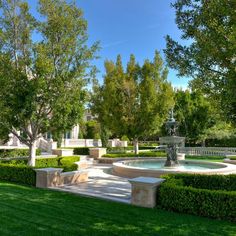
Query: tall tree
209	26
134	101
42	83
194	114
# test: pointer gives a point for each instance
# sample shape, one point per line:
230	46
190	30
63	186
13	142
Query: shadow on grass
31	211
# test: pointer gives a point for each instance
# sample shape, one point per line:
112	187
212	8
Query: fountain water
173	142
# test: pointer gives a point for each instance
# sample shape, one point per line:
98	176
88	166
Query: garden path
102	184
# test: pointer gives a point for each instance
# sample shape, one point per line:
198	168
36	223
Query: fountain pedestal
173	143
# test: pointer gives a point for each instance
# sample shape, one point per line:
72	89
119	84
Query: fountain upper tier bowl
156	168
172	140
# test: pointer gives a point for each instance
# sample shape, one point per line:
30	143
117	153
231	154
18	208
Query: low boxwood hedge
81	151
205	157
18	171
141	154
198	195
19	174
211	182
4	153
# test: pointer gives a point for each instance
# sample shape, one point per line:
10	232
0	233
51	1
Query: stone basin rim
122	168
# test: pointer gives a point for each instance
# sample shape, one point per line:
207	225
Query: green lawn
31	211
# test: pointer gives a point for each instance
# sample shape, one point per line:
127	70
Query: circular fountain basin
156	168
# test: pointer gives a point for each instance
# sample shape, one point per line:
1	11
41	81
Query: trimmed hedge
18	171
211	182
19	174
4	153
141	154
81	151
183	193
119	149
146	147
205	157
68	163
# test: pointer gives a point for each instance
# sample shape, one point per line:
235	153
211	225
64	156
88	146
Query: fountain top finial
171	114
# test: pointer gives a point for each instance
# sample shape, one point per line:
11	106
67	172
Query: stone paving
101	184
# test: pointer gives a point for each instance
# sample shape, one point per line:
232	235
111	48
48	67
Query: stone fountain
172	140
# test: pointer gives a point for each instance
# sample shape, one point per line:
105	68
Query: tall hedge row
185	194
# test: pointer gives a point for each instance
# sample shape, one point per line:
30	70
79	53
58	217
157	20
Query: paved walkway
101	184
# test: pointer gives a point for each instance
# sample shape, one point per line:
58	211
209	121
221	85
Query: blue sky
131	26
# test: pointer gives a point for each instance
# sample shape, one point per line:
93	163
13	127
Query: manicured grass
29	211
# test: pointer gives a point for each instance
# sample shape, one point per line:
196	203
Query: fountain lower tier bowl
156	168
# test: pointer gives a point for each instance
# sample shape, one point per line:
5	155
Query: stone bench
53	177
144	190
73	177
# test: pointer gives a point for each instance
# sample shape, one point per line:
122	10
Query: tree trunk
32	153
136	146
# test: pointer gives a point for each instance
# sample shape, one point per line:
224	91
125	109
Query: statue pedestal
170	163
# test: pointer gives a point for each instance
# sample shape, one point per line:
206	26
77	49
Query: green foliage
68	163
4	153
194	113
81	151
208	196
47	162
223	142
141	154
209	55
42	83
92	130
211	182
205	157
133	102
104	136
19	174
146	147
17	171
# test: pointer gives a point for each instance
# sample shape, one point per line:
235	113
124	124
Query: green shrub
210	182
232	158
205	157
47	162
119	149
68	163
16	162
81	151
18	171
146	147
19	174
4	153
183	193
141	154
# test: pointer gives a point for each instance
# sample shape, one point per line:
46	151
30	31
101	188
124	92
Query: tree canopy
208	56
133	101
42	83
194	114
